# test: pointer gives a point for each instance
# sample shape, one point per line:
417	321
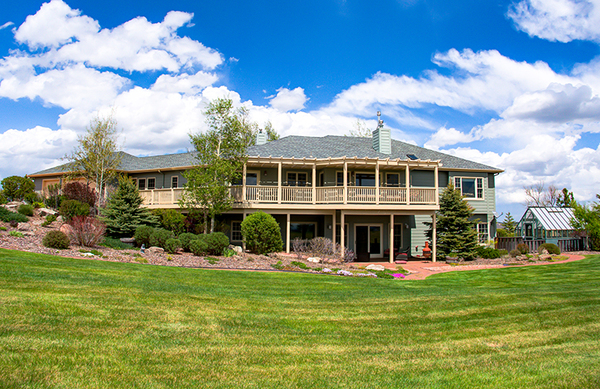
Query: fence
510	243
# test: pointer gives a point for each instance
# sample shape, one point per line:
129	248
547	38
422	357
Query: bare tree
360	130
539	196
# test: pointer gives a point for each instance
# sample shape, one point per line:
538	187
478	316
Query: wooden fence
565	245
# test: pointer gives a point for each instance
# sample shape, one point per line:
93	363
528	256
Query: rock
60	219
66	229
545	257
155	250
13	205
24	227
544	252
87	255
37	223
129	241
314	259
375	267
46	211
237	249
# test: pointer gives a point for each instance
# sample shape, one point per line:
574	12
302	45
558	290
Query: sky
511	84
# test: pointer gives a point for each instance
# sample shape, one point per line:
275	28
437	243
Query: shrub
194	221
25	209
113	243
199	247
488	252
80	192
261	233
3	199
185	239
216	242
321	247
159	237
172	245
171	220
523	248
9	216
71	208
142	235
16	188
515	253
49	220
38	204
87	231
16	234
551	248
56	240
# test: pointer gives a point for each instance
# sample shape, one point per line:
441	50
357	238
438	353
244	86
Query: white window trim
393	174
175	178
296	172
138	183
150	178
236	221
482	198
257	172
371	256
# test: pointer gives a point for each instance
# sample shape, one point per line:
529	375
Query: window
365	179
296	179
471	188
397	237
236	231
141	183
174	182
251	179
151	183
482	232
392	179
302	230
340	178
338	234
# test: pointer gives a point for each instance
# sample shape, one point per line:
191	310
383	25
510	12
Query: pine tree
509	224
123	212
456	236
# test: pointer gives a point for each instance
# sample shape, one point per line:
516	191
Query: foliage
299	246
171	220
221	156
15	188
16	234
38	204
49	220
56	240
514	253
97	155
86	231
25	209
586	220
456	236
523	248
502	233
261	233
565	198
172	245
8	216
185	239
160	236
113	243
123	213
194	221
199	247
3	199
216	242
509	224
537	195
79	191
301	265
72	208
551	248
55	198
488	252
360	130
269	131
142	235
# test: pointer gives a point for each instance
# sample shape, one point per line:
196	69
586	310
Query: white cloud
6	25
558	20
447	136
289	100
184	83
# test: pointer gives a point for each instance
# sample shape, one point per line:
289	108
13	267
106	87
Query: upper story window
151	183
141	183
296	179
340	178
174	182
470	187
392	179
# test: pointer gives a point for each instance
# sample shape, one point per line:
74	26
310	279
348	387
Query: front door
362	243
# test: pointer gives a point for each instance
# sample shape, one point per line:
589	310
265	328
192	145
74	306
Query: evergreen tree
123	212
509	224
456	236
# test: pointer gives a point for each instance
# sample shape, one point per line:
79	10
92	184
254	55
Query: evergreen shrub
171	220
142	235
8	216
186	238
160	236
216	242
3	199
514	253
199	247
523	248
56	240
261	233
71	208
550	247
172	245
488	252
25	209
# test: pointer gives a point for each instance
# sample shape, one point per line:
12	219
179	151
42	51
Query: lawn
67	323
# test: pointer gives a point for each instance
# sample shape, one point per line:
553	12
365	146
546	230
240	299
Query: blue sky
513	84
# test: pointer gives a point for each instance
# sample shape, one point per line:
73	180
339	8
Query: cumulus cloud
448	136
289	100
558	20
6	25
184	83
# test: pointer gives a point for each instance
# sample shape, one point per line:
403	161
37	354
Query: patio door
368	244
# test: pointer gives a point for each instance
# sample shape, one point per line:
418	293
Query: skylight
412	157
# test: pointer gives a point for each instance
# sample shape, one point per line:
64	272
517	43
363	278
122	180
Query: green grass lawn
67	323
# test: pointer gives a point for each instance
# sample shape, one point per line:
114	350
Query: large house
371	194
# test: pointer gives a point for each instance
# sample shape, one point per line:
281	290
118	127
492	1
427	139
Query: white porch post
407	185
437	184
377	182
392	238
279	183
345	184
342	233
244	183
314	183
334	230
243	240
287	234
434	238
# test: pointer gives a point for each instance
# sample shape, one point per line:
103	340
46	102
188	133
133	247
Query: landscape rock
237	249
544	252
545	257
66	229
375	267
314	259
155	250
129	241
46	211
24	227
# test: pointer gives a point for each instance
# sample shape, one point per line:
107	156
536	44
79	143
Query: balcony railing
261	194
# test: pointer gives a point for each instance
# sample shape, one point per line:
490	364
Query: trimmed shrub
86	230
25	209
514	253
80	192
488	252
172	245
159	237
71	208
523	248
216	242
186	238
551	248
261	233
8	216
56	240
199	247
171	220
113	243
142	235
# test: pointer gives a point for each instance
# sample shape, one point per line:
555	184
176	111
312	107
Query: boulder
46	211
375	267
25	227
545	257
544	252
237	249
314	259
66	229
155	250
129	241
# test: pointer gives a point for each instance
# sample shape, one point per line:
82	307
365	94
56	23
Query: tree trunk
212	224
205	222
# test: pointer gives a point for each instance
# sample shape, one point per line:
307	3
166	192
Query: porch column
314	183
437	184
243	240
333	229
434	238
342	248
244	183
392	238
345	184
377	182
287	235
407	179
279	183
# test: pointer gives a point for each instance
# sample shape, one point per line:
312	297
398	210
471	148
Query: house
371	194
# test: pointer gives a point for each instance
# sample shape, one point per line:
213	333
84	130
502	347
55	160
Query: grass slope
68	323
